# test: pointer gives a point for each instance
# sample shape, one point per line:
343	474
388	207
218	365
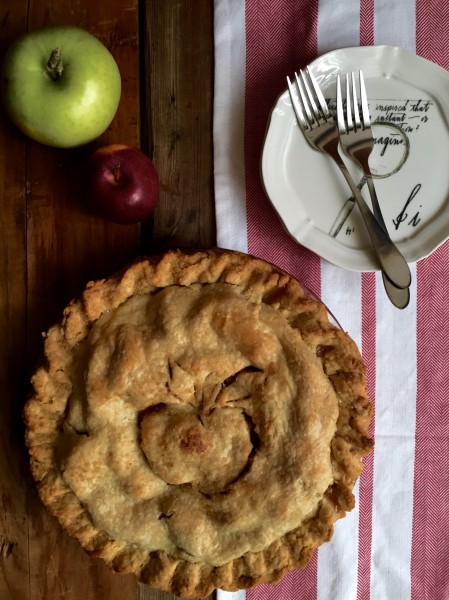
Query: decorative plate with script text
409	105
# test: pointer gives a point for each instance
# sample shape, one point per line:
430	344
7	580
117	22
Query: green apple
60	85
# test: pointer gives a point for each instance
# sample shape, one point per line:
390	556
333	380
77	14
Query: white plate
409	106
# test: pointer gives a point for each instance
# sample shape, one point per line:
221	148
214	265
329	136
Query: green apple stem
54	65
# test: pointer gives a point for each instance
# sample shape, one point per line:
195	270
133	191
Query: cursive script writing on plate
395	125
404	216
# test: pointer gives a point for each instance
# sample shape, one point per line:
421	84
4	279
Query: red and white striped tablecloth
395	544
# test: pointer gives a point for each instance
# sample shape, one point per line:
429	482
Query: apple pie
198	420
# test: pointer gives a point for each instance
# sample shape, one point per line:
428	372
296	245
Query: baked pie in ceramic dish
198	421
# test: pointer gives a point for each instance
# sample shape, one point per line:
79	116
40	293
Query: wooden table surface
52	244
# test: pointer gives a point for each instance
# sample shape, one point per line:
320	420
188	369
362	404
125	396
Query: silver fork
357	141
321	132
356	137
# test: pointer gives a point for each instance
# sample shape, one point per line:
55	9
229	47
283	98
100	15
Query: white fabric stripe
240	595
339	27
338	557
228	135
228	127
341	292
394	23
395	431
338	24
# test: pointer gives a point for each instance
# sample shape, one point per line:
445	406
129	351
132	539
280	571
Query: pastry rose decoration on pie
197	420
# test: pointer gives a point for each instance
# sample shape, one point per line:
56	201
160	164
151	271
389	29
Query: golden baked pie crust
198	421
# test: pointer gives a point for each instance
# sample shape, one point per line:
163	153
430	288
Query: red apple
122	183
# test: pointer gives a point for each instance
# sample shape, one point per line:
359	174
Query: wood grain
66	246
14	561
52	244
65	240
177	119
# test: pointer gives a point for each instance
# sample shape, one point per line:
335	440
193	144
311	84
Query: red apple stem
54	65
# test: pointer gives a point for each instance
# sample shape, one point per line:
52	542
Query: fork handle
399	297
392	263
374	200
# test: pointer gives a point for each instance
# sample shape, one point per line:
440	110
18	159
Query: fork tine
315	110
355	103
304	98
302	121
349	122
340	112
319	95
364	101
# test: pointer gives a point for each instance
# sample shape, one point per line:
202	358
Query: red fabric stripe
273	51
430	547
430	535
366	22
366	479
296	584
432	32
369	355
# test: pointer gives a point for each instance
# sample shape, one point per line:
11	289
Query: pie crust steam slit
198	421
